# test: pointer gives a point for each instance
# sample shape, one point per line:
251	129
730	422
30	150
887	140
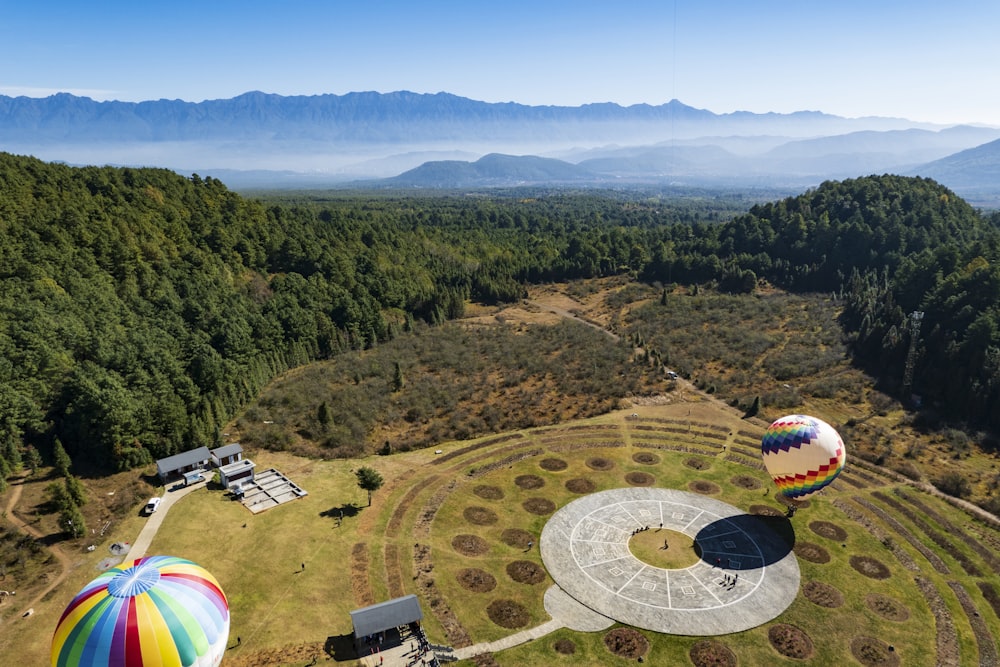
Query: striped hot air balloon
802	454
160	610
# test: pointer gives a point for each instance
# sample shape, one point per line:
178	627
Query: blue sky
934	62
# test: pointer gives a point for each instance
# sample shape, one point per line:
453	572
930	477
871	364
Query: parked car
152	505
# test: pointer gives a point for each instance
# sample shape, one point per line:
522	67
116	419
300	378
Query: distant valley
403	139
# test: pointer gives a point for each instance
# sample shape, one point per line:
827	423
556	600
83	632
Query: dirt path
60	555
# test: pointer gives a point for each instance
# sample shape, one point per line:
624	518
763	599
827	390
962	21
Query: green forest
140	310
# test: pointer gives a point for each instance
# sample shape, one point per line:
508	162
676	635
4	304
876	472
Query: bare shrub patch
600	463
476	580
480	516
564	647
873	652
553	465
626	643
704	487
646	458
823	595
526	572
746	482
712	653
765	510
790	641
813	553
529	482
888	608
580	485
870	567
487	492
640	479
539	506
830	531
697	463
470	545
515	537
508	614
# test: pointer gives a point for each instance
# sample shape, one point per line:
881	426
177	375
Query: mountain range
446	141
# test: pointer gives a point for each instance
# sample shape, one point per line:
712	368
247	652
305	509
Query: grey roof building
385	616
178	464
227	454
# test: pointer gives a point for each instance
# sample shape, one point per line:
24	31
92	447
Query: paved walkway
746	574
148	532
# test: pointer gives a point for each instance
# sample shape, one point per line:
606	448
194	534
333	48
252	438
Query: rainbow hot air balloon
802	454
160	610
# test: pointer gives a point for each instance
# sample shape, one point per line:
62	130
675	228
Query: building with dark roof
223	456
178	464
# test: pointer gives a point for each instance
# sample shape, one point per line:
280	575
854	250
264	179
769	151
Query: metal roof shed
385	616
183	462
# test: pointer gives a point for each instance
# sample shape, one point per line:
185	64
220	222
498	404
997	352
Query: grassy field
879	557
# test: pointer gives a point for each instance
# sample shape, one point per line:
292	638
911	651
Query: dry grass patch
470	545
640	479
823	595
870	567
830	531
526	572
487	492
888	608
813	553
581	485
517	538
539	506
529	482
508	614
790	641
627	643
553	465
873	652
704	487
476	580
480	516
664	548
712	653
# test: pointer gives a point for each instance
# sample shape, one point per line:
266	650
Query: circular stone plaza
744	572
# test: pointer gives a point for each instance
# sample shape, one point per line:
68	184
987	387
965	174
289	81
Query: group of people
729	580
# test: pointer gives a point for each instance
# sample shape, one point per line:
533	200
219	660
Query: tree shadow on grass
341	647
345	511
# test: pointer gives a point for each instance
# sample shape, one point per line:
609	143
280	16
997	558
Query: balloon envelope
802	454
159	610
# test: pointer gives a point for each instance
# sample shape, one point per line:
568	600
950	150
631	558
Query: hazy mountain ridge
323	140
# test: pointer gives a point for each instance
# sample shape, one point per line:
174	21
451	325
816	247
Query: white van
152	505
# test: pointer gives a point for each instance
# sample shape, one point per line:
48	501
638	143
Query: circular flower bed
746	482
526	572
480	516
539	506
870	567
487	492
790	641
873	652
564	647
830	531
698	463
640	479
600	463
823	595
705	487
887	607
553	465
508	614
711	653
765	510
813	553
470	545
529	482
646	458
580	485
476	580
515	537
626	643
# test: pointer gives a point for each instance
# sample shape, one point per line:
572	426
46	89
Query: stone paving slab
746	576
